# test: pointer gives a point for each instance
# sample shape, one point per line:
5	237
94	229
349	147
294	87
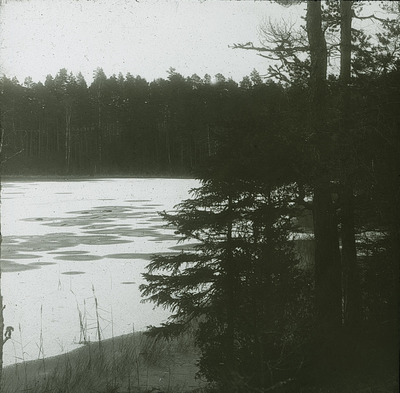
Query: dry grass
131	363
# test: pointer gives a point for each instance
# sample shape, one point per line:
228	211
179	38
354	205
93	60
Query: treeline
120	124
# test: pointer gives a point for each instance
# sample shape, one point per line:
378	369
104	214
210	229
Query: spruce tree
237	283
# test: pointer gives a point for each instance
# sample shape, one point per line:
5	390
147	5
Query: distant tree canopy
122	124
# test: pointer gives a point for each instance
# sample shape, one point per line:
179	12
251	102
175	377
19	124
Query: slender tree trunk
328	276
57	137
345	41
208	141
231	303
41	127
46	133
263	314
67	137
30	143
168	146
351	276
99	131
328	291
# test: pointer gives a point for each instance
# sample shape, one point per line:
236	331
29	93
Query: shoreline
72	352
130	360
24	178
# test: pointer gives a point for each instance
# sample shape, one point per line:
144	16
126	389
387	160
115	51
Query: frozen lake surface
64	239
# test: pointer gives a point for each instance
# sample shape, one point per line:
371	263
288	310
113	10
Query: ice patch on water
61	238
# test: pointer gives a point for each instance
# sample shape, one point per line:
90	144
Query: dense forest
124	124
306	151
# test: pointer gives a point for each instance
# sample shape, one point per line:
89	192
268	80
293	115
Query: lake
68	244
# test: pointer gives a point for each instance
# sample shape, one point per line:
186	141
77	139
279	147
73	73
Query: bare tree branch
371	17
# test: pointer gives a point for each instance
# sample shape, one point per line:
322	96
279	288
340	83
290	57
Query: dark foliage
239	285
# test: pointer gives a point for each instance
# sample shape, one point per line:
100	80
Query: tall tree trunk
99	132
57	137
328	275
168	146
351	276
328	291
230	284
230	304
67	138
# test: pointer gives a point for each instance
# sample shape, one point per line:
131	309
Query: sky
143	37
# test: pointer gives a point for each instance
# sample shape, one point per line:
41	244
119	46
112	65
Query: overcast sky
144	37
